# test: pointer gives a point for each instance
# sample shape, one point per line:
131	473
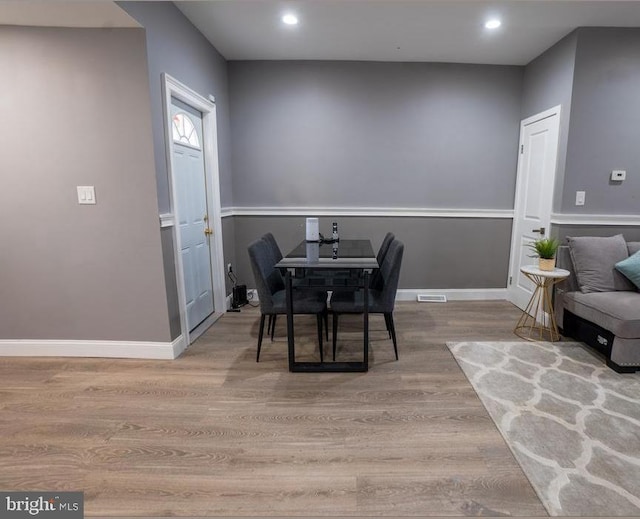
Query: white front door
192	211
534	196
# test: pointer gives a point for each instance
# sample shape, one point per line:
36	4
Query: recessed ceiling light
290	19
493	23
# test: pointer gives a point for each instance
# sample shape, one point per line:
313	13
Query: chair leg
392	329
260	333
319	318
335	333
386	322
273	325
326	323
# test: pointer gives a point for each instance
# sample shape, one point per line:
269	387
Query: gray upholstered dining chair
375	281
273	246
276	254
272	294
381	301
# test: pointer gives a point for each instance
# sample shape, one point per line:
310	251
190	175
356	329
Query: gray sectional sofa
596	304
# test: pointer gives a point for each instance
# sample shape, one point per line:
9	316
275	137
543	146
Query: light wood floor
213	433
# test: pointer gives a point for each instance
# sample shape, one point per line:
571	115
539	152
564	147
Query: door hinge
521	149
510	280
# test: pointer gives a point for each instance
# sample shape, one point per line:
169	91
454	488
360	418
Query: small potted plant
545	249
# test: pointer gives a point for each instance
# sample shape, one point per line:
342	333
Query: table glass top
342	254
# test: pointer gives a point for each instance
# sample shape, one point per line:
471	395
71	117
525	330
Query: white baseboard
178	345
107	349
453	294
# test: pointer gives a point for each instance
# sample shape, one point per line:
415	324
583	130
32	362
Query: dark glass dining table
343	265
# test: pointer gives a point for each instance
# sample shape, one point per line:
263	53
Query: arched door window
184	132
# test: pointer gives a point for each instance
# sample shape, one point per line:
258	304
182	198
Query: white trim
368	211
556	218
595	219
540	116
178	345
167	220
104	349
453	294
171	87
205	325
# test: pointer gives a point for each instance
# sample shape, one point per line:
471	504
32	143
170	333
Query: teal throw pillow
630	267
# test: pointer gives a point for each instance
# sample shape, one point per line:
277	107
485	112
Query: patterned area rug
572	423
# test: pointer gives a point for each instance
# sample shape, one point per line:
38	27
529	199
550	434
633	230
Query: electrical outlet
580	196
618	175
229	268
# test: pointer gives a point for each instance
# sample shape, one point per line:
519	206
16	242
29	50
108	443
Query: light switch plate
580	197
86	195
618	175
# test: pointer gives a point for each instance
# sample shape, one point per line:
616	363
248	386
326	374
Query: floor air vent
436	298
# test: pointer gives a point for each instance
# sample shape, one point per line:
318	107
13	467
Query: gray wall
562	231
75	105
548	81
364	134
461	253
605	122
229	244
176	47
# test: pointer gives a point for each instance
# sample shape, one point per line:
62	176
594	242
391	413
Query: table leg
539	305
290	339
329	367
553	326
366	321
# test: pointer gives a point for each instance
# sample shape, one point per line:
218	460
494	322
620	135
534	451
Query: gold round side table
531	325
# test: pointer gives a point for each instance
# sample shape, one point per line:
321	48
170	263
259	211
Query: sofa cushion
594	259
630	267
633	246
618	312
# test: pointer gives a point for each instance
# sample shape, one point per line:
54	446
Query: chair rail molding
100	349
595	219
418	212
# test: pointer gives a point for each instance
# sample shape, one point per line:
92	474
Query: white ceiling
399	30
63	13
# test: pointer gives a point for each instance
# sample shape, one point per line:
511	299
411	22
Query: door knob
541	230
208	231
